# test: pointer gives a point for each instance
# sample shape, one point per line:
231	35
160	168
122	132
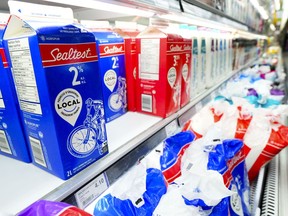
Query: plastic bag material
202	121
239	203
263	140
110	205
172	203
261	101
204	190
203	164
234	175
263	97
227	158
235	89
271	76
277	94
50	208
173	150
236	119
132	184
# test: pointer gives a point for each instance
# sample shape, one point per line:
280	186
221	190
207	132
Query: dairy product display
202	58
186	65
195	63
159	78
111	63
13	142
111	49
55	69
128	30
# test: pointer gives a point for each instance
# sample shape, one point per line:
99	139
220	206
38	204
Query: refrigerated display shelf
24	184
206	7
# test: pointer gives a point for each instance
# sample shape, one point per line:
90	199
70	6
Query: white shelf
22	184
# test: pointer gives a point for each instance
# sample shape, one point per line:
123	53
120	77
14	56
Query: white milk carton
13	142
195	82
203	58
55	70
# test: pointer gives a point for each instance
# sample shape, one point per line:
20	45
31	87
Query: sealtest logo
72	54
68	105
111	49
187	47
63	54
174	48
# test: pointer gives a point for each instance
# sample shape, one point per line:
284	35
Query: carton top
153	32
47	32
104	37
102	31
29	19
126	34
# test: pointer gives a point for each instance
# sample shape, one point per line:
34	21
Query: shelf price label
171	128
91	191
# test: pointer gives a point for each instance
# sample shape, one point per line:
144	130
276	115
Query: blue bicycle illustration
117	99
84	139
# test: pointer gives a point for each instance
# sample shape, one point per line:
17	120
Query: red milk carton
159	77
129	35
186	71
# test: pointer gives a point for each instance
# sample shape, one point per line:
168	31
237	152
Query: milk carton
55	70
217	55
186	64
195	82
203	60
159	78
13	142
209	58
128	30
111	51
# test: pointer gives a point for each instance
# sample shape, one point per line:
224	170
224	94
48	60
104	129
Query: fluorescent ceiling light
285	14
272	27
184	19
260	9
99	5
250	35
277	5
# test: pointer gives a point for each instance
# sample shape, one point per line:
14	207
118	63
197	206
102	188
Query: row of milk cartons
52	103
63	81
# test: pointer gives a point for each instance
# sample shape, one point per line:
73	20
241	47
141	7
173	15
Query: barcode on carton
4	145
146	103
37	151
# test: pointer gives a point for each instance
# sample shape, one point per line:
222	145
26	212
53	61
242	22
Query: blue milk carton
55	70
111	52
13	142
